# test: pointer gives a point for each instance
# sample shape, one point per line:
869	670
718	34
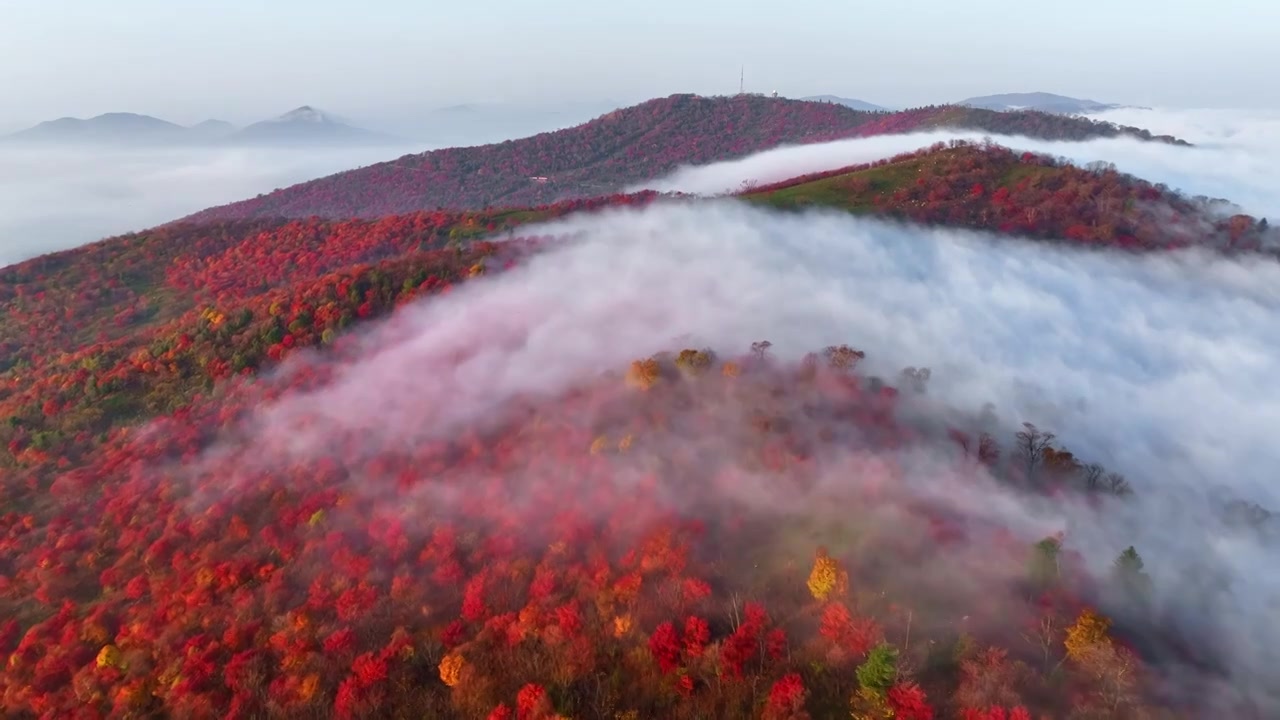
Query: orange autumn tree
643	374
451	669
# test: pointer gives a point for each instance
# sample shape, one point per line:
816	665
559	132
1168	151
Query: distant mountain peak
212	129
307	125
122	116
111	127
306	114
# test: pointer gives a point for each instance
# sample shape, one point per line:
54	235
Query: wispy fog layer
1128	359
1160	367
54	198
1235	156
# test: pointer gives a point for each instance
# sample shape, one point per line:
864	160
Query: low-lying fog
54	198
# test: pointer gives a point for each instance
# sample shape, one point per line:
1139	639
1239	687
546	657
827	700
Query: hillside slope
993	188
630	547
306	592
618	149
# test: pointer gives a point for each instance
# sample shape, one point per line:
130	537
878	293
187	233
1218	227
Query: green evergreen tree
878	672
1129	578
1043	567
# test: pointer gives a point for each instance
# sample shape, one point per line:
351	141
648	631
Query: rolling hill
304	126
992	188
618	149
213	129
187	532
115	128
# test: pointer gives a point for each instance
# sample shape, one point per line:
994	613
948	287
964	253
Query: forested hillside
990	187
621	148
709	532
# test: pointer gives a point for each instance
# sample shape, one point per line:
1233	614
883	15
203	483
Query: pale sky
382	61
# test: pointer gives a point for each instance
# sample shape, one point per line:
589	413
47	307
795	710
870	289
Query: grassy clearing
1018	173
854	192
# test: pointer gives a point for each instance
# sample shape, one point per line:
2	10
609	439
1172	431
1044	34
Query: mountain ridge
620	148
120	127
303	125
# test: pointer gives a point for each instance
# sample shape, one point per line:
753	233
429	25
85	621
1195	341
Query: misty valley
711	406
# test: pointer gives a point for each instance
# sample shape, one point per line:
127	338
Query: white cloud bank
1235	157
1127	358
53	198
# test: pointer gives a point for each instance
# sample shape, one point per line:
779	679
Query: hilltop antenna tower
742	75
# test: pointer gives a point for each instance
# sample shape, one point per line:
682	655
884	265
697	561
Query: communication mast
742	75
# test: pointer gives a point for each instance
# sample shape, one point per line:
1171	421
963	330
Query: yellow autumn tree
1088	632
867	704
1113	669
826	576
109	656
214	317
694	362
